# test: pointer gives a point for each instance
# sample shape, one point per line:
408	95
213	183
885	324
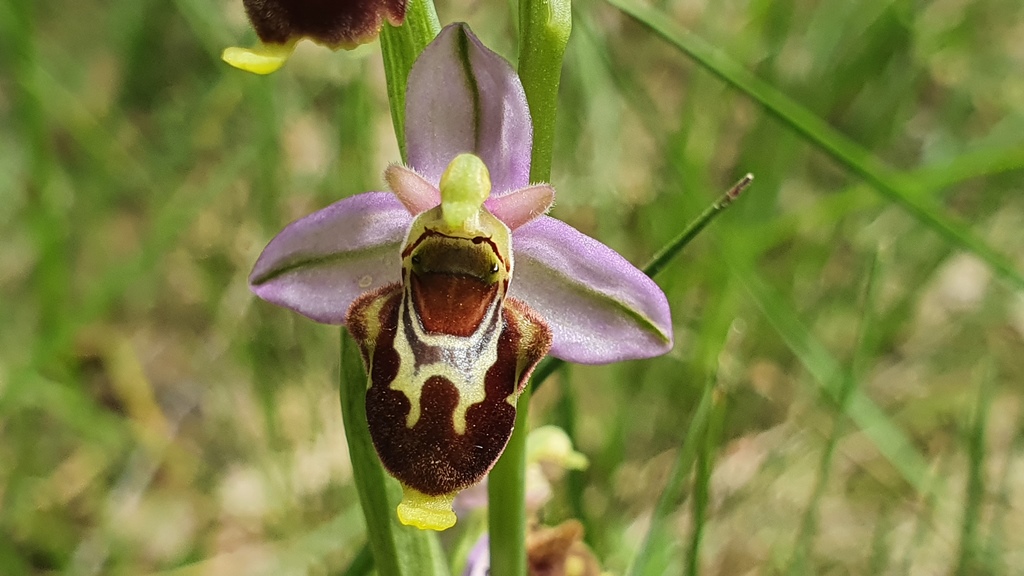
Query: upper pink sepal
465	98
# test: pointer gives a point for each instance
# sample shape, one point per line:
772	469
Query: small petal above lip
464	98
521	206
600	308
417	194
319	264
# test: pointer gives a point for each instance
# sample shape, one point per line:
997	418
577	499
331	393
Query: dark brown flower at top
332	23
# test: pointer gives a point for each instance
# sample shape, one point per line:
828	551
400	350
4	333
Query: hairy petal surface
521	206
318	265
413	190
600	308
464	98
333	23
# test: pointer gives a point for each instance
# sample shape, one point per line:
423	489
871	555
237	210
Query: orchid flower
337	24
455	284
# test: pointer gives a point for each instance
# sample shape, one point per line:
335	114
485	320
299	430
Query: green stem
400	46
506	496
397	550
544	27
676	245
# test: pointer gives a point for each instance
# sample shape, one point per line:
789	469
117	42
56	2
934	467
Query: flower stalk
400	46
397	550
544	28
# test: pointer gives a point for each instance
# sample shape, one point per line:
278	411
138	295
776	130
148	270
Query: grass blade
829	375
702	481
656	534
844	150
801	556
972	558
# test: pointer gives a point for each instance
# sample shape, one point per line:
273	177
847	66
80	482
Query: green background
858	315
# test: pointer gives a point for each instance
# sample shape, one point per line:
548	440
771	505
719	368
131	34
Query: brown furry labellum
333	23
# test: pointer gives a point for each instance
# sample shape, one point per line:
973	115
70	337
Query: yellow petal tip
263	59
426	512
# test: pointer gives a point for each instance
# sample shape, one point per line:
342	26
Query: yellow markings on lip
424	511
410	381
371	318
464	362
528	340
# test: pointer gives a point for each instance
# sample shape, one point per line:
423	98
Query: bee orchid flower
455	283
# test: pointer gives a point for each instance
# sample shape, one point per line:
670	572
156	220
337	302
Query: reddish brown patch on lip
453	282
430	456
330	22
450	304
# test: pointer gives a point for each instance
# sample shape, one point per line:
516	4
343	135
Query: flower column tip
465	185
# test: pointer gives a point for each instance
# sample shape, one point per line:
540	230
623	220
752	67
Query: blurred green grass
865	370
